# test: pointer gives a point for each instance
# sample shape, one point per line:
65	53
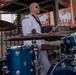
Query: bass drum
20	60
62	68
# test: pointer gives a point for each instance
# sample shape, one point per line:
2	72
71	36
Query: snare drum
62	68
20	60
69	43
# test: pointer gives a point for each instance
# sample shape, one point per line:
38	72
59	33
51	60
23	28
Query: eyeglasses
37	7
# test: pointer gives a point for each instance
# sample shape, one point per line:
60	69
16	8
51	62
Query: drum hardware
25	63
73	50
35	37
74	36
31	52
31	70
14	47
17	53
35	48
75	69
21	61
25	46
69	43
17	72
62	67
74	61
62	64
63	47
5	69
60	57
56	64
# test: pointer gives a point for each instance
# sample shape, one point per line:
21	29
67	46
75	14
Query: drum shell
69	43
20	60
60	70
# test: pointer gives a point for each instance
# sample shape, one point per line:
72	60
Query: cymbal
49	47
68	32
36	37
6	26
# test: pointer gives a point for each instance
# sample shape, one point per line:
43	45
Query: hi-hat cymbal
6	26
35	37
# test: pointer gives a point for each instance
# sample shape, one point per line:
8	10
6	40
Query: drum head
64	68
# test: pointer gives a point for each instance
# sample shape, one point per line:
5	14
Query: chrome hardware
75	69
31	70
17	72
13	47
5	68
25	63
32	63
75	57
31	52
17	53
36	62
74	61
7	71
67	41
63	65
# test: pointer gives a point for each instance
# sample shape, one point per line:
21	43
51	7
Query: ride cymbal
6	26
35	37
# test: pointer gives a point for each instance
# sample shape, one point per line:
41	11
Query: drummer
30	22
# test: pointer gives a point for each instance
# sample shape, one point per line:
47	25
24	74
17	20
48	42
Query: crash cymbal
36	37
6	26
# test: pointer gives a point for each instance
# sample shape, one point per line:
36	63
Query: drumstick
54	29
58	32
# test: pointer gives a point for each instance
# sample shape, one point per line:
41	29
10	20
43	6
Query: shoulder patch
26	18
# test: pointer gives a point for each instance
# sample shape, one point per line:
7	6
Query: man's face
35	8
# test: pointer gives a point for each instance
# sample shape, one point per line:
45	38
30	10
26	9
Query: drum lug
17	72
17	53
25	63
31	70
63	65
67	41
31	52
32	63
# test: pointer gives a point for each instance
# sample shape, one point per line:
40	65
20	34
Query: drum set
23	60
66	60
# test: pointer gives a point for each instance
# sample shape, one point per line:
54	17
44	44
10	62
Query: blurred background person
65	17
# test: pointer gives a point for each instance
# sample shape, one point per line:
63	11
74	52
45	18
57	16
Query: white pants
44	62
42	57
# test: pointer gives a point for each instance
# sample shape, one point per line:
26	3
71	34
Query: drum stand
35	48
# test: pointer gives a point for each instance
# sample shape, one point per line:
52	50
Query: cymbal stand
59	52
35	48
